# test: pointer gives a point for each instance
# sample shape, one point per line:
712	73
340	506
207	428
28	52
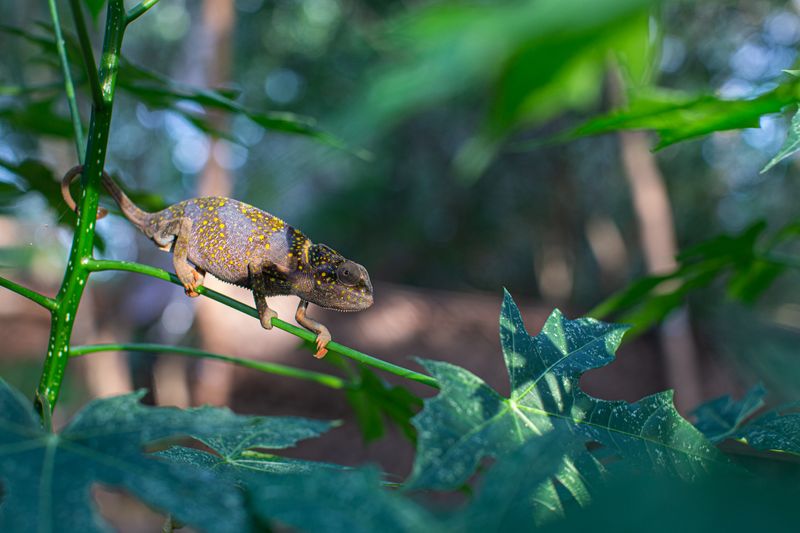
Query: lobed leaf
47	477
236	456
468	420
720	418
339	502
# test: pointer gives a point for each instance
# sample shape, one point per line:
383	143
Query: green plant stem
76	275
30	294
139	9
95	265
69	87
327	380
86	49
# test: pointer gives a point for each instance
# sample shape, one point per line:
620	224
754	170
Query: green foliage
374	401
722	417
46	477
339	502
790	146
545	371
777	430
152	89
747	260
559	454
236	454
677	116
537	59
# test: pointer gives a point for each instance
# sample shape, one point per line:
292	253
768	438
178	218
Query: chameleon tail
129	209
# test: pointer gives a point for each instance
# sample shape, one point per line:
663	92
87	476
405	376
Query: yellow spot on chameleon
266	246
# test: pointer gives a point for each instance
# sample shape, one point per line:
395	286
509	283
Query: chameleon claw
322	340
191	291
266	318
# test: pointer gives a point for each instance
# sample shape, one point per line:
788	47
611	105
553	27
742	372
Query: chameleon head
336	282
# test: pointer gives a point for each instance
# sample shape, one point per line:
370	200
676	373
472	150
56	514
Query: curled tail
131	211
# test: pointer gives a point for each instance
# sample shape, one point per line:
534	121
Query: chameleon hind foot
323	335
190	287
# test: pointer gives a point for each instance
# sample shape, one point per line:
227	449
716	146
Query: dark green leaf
237	456
38	118
468	420
161	93
790	146
523	487
339	502
638	502
678	116
374	399
47	478
777	430
721	417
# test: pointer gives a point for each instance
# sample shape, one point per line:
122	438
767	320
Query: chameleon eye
347	274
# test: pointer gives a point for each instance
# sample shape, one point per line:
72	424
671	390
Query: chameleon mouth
360	303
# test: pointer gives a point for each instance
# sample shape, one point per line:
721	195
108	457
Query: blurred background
445	190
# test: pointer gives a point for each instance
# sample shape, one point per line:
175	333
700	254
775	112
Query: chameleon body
248	247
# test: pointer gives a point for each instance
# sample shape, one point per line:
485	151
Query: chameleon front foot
323	335
323	338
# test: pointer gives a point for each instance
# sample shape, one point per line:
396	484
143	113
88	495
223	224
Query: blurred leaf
236	453
720	418
468	420
639	501
339	502
539	58
159	92
47	478
37	117
17	257
678	116
790	146
373	400
95	7
511	495
748	265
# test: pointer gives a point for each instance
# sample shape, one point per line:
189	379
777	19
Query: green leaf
777	430
659	504
373	400
159	92
236	453
37	117
678	116
741	257
468	420
790	146
523	486
47	478
339	502
95	7
722	417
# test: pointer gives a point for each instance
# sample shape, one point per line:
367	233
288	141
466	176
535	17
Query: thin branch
96	265
30	294
69	88
86	50
327	380
138	10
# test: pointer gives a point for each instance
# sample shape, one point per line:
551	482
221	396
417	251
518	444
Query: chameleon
243	245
